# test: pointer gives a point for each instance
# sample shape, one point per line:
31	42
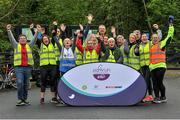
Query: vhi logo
101	73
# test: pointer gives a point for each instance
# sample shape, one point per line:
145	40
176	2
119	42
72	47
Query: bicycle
7	76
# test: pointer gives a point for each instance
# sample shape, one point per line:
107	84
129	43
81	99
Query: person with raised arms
23	63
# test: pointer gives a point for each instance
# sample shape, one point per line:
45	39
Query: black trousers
45	72
157	78
147	76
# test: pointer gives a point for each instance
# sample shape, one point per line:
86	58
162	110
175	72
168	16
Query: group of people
60	53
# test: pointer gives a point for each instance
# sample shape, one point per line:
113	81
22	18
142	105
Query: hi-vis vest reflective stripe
125	57
18	58
144	54
90	57
133	59
57	52
47	55
111	57
157	55
67	59
79	57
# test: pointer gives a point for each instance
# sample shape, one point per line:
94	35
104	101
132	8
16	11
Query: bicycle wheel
12	78
1	81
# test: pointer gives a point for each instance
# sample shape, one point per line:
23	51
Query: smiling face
138	34
93	39
45	40
102	29
67	43
120	40
111	42
22	39
132	38
155	39
90	44
144	38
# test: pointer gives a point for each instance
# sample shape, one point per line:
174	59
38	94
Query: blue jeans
22	78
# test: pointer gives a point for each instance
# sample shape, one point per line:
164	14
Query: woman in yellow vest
158	64
144	54
47	68
23	63
111	53
133	57
91	49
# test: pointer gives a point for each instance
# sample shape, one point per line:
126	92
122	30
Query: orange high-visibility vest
157	55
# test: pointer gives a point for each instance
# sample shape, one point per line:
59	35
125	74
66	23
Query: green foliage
126	15
159	13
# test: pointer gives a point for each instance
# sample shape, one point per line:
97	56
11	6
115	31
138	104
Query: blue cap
171	19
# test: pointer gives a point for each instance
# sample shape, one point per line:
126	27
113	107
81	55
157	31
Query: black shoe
163	99
157	100
42	101
20	103
54	100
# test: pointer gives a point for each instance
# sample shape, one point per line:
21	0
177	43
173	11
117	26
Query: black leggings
45	71
146	74
157	78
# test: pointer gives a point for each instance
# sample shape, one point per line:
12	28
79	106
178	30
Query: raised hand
63	27
113	29
53	31
81	27
55	23
8	27
90	18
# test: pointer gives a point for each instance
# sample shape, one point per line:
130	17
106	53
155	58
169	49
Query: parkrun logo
101	73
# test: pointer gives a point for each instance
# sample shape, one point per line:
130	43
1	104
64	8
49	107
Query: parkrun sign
102	84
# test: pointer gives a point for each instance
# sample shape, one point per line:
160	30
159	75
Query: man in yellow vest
158	64
144	63
23	62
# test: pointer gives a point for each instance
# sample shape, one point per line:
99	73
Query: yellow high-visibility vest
133	60
47	55
144	54
90	57
18	55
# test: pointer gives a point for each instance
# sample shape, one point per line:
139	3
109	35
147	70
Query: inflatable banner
102	84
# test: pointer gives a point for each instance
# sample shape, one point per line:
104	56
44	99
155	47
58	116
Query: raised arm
32	28
167	40
55	39
63	30
86	31
79	45
11	36
113	32
32	42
